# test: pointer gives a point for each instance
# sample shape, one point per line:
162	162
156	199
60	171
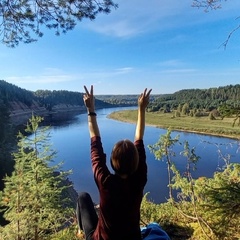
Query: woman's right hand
143	99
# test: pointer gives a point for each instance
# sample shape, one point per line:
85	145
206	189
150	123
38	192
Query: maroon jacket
120	199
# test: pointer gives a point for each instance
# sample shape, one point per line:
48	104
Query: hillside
60	105
124	100
207	99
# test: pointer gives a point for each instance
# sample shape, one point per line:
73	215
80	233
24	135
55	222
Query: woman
120	193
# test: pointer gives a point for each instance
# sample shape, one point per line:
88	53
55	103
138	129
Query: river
72	143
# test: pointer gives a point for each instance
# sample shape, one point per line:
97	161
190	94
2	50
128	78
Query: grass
203	125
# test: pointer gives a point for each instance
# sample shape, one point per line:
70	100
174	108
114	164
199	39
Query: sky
166	45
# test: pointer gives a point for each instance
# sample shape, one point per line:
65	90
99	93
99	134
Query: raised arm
89	102
143	101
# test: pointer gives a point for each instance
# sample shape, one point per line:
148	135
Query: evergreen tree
185	109
33	194
6	141
19	20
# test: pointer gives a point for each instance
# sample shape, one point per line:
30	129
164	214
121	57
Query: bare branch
225	43
207	4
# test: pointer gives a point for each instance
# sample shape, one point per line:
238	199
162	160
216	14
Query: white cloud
124	70
55	75
49	75
172	63
137	16
179	71
39	79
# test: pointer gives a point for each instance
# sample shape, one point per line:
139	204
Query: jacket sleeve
98	158
142	166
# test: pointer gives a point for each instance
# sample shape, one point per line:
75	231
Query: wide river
72	143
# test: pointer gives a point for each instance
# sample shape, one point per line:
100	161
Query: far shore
201	125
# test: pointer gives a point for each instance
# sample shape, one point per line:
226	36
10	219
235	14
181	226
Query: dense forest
207	99
122	100
46	98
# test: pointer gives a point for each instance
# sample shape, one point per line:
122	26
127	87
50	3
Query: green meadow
203	125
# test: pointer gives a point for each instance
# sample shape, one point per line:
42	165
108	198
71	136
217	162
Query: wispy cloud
39	79
49	75
139	16
124	70
172	63
179	71
54	75
105	73
176	66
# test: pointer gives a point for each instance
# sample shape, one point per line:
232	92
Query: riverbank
20	113
201	125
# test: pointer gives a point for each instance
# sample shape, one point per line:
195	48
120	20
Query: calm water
72	143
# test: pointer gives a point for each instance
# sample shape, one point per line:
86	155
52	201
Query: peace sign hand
143	99
88	99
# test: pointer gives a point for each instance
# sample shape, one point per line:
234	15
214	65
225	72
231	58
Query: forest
207	99
46	98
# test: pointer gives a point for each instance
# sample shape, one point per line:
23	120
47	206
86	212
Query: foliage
161	213
49	98
207	208
185	109
6	142
46	98
121	100
32	196
163	149
207	99
220	199
66	233
167	216
207	4
10	92
227	110
21	20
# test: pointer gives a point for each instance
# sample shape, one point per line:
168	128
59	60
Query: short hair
124	157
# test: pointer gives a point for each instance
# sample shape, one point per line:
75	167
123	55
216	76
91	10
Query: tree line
45	98
198	99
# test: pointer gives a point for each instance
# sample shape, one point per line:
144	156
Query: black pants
86	215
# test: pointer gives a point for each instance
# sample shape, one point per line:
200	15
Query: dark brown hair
124	157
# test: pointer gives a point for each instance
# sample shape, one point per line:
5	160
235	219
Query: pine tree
33	194
6	143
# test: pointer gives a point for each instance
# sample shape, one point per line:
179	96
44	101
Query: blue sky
166	45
